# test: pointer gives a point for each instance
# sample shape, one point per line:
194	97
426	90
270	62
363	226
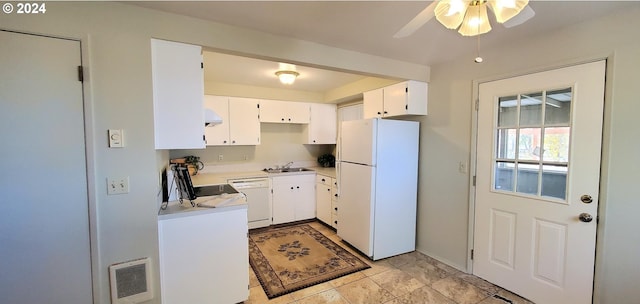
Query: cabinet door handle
291	188
297	187
283	119
385	112
233	142
336	195
379	113
224	142
336	208
323	179
329	190
289	119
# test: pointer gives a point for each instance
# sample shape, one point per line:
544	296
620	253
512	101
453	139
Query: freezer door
356	206
358	141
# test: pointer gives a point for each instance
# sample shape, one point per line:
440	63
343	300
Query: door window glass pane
554	181
507	111
504	176
533	136
556	144
558	107
529	144
528	178
507	143
531	109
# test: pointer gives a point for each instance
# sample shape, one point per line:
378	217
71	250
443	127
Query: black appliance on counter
187	191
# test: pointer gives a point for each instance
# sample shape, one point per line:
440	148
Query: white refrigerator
378	176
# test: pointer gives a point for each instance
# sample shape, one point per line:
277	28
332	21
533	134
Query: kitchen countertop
327	171
205	179
175	209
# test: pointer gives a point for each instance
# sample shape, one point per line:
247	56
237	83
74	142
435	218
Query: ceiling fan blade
418	21
526	14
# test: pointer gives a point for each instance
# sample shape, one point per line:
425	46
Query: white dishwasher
258	199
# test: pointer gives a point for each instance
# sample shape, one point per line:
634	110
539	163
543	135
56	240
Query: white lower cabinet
334	203
293	198
323	198
204	258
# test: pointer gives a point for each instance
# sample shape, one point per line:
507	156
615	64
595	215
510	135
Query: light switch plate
116	138
117	185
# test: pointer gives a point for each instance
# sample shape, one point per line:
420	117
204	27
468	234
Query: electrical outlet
117	185
220	157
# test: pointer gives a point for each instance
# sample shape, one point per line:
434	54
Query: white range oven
258	199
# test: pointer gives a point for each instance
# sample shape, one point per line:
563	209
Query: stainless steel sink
285	170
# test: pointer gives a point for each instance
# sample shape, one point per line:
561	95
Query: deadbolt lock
587	199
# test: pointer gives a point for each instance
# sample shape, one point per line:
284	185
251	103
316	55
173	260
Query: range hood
211	118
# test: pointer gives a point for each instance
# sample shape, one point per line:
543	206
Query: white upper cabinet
277	111
240	124
373	105
322	128
405	98
218	134
178	90
245	123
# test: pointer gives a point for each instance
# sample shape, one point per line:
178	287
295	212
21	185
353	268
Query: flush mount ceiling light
470	17
287	77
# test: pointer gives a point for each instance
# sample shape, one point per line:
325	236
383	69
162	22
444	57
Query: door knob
587	199
585	217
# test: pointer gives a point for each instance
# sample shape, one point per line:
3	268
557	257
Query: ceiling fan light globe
451	12
507	9
476	21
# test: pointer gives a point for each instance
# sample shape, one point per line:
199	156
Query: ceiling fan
470	17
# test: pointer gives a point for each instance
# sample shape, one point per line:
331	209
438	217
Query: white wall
116	54
446	140
115	38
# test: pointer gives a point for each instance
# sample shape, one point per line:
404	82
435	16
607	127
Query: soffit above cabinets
232	69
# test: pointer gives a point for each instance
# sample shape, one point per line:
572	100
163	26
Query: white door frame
90	148
474	149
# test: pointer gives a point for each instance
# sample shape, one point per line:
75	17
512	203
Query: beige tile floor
407	278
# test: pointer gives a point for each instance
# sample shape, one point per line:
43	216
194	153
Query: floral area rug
290	258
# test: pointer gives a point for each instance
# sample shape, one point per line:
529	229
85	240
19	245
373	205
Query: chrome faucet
287	165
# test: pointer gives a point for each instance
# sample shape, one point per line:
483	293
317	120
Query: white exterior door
538	170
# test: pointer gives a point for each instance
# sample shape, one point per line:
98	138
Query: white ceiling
255	72
367	27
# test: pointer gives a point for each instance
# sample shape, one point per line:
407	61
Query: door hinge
477	104
80	74
474	180
472	254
